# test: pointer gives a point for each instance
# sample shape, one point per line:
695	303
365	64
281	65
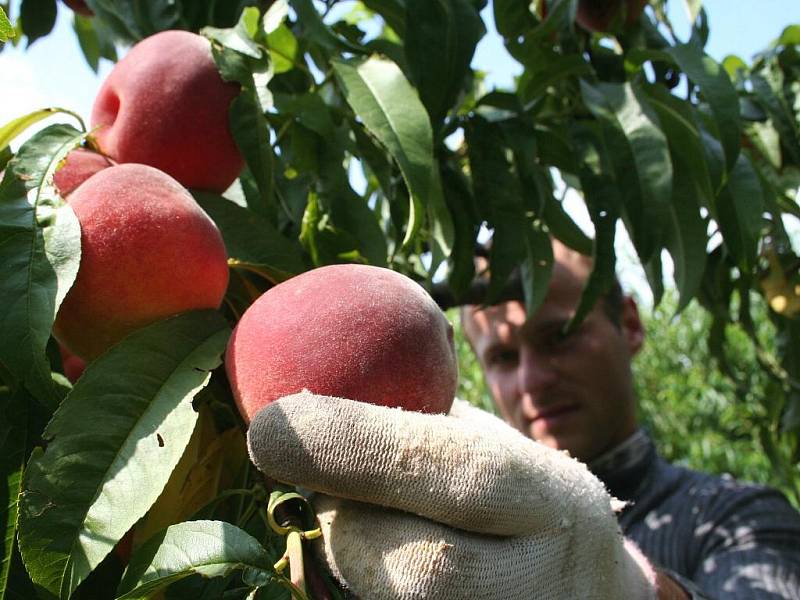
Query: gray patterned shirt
721	539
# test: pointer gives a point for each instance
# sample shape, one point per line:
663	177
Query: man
464	506
718	538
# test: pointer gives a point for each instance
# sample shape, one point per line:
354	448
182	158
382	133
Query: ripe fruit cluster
148	251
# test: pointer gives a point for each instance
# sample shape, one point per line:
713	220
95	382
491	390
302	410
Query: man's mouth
552	415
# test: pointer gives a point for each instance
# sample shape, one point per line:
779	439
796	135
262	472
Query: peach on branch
79	165
351	331
148	251
166	105
600	15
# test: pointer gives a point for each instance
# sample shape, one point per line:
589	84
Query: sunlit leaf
15	127
6	28
381	96
111	446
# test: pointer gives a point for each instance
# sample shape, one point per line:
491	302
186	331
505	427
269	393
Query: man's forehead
570	271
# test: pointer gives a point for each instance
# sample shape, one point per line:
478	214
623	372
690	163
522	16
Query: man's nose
536	372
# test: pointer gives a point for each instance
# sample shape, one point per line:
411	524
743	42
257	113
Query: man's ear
631	325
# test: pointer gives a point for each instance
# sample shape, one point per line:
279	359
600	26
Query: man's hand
447	506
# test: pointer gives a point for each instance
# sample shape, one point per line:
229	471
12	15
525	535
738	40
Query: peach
351	331
79	165
599	15
166	105
80	7
73	366
148	251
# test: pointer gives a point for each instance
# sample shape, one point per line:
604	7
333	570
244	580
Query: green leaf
318	32
7	30
500	195
133	21
601	194
768	90
13	442
207	548
717	90
38	18
537	268
790	36
679	126
733	65
251	132
283	49
112	445
513	18
15	127
693	9
687	238
392	11
466	223
326	243
252	242
440	41
40	253
94	40
640	156
546	68
739	208
382	97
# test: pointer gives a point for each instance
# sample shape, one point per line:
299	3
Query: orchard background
370	136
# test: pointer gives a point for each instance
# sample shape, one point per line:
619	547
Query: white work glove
457	506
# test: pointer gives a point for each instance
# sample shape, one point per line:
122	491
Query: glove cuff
641	574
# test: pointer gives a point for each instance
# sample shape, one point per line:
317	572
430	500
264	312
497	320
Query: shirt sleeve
749	548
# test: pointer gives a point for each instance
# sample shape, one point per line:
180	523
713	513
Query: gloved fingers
384	554
452	470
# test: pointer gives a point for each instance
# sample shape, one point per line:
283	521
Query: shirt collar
622	469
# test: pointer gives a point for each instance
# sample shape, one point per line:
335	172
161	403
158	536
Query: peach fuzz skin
351	331
148	251
166	105
79	165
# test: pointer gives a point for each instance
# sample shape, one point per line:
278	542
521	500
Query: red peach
599	15
352	331
79	165
73	366
80	7
148	251
166	105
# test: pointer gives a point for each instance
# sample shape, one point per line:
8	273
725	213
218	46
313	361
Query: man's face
569	392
